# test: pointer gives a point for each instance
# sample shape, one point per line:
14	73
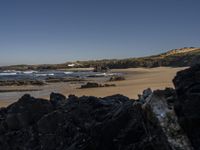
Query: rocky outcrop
187	106
84	123
159	105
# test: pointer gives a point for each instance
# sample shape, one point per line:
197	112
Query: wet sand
137	79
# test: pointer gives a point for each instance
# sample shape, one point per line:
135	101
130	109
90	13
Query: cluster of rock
84	123
39	82
54	80
95	85
21	82
159	120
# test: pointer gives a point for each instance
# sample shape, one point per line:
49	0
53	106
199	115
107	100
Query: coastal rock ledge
159	120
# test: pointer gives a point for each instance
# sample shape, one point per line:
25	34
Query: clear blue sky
56	31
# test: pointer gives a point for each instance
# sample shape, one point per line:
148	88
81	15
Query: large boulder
187	107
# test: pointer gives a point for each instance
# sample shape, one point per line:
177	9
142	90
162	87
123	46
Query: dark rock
90	85
3	113
63	79
21	82
57	99
117	78
26	111
95	85
159	109
101	68
92	123
85	123
187	106
145	94
108	85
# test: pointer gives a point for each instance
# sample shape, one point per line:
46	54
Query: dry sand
137	79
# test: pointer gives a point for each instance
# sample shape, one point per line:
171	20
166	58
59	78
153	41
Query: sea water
42	75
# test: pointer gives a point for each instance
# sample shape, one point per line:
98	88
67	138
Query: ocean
42	75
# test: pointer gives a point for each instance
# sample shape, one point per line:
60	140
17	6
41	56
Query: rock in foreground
85	123
187	106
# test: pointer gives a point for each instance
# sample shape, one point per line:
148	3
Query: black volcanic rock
85	123
187	107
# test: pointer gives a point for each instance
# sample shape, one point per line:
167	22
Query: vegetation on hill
173	58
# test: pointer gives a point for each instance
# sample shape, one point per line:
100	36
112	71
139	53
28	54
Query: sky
57	31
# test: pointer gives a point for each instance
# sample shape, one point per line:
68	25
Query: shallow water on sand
45	90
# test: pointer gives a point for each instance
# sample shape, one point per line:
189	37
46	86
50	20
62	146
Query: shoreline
136	80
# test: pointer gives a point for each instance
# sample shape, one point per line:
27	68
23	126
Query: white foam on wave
44	74
7	73
68	72
29	72
111	74
100	74
51	74
106	74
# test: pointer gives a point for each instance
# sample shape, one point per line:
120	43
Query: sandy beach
137	79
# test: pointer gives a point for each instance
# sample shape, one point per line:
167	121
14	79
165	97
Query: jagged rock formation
85	123
187	106
159	105
159	120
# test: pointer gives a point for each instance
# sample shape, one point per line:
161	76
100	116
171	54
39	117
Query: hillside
179	51
186	56
173	58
